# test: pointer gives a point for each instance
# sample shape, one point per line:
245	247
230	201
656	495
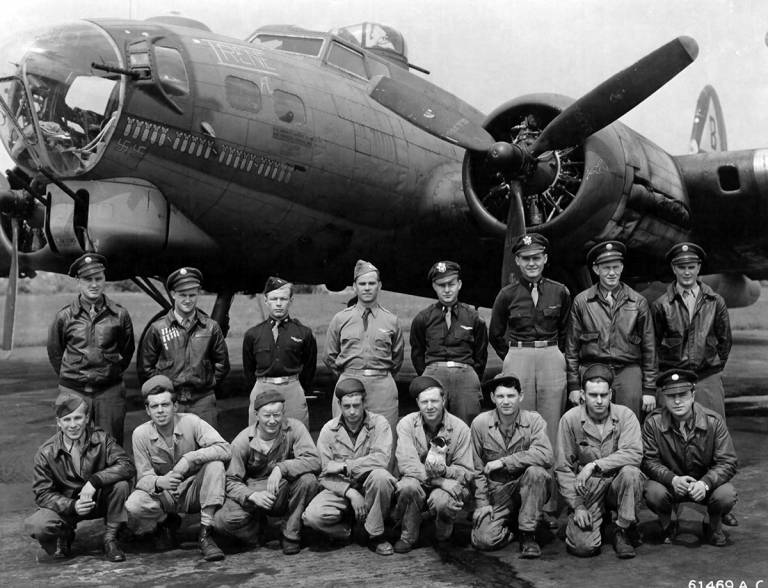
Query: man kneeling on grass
80	473
512	454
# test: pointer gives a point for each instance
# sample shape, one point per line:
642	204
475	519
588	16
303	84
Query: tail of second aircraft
708	132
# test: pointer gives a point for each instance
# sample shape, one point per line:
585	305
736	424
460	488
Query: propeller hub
506	157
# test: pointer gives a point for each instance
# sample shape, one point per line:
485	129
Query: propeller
9	312
525	166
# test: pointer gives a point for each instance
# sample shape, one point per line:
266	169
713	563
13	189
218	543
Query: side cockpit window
289	108
347	60
243	94
171	71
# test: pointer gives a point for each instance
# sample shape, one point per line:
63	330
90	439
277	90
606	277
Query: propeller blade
617	95
9	315
515	229
433	110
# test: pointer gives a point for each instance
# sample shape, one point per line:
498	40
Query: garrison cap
87	265
675	381
597	370
530	243
685	253
605	252
349	386
67	402
267	397
274	283
185	277
363	267
156	385
443	269
421	383
506	379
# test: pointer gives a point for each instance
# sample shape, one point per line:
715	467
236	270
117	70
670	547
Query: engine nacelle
617	185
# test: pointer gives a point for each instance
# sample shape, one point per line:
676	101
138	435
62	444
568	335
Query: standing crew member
597	463
90	345
693	331
611	324
355	449
688	456
528	325
188	347
280	354
449	342
80	473
365	342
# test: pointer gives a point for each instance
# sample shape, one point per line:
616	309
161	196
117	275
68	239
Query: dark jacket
700	343
195	360
617	335
90	354
708	454
57	485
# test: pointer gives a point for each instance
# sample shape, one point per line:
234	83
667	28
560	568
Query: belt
278	380
366	372
451	364
514	343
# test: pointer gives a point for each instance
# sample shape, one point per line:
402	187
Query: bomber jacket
196	360
700	343
707	455
90	354
57	485
528	446
293	451
617	335
371	450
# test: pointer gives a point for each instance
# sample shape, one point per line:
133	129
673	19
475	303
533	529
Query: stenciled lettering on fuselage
138	134
234	55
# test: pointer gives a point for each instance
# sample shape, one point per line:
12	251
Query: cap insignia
88	260
527	240
183	271
609	246
440	267
685	247
675	377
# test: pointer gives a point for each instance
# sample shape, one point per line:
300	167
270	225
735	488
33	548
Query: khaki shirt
349	346
579	442
193	439
371	450
528	446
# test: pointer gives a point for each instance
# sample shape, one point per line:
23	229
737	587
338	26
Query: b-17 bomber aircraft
160	143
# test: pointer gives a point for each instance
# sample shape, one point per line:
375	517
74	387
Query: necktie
275	326
447	313
690	301
535	294
609	299
366	314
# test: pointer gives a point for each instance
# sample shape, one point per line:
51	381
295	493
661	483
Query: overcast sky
487	52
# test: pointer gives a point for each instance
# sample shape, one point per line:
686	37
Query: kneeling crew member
512	454
272	472
597	463
434	458
180	468
80	473
688	456
355	449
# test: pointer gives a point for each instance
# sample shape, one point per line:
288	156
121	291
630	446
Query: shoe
64	547
634	535
380	546
730	520
622	545
208	547
402	546
718	538
549	521
165	534
291	547
529	549
112	551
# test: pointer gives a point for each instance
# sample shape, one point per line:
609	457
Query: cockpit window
304	45
347	60
171	71
57	112
374	36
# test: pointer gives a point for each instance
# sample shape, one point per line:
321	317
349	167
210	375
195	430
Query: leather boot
112	551
165	534
208	547
64	546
